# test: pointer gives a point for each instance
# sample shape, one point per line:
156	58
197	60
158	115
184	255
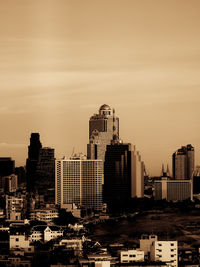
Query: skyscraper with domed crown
102	127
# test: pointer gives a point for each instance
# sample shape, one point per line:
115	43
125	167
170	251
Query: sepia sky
61	59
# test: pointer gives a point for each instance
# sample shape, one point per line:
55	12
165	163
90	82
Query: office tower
7	166
123	173
183	162
31	163
173	190
79	181
101	128
45	170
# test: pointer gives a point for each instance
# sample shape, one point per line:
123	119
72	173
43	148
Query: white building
128	256
79	181
165	251
45	233
18	240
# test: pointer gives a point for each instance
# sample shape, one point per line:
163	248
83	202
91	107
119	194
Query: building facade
79	181
173	190
165	251
123	173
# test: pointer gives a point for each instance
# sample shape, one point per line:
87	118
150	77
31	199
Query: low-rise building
146	242
14	208
46	214
74	243
173	190
165	251
19	240
132	255
45	233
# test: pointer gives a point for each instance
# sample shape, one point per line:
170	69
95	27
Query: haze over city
61	60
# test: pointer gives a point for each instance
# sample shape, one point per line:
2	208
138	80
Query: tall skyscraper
79	181
101	128
123	173
183	162
32	160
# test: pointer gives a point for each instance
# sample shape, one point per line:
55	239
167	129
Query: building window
17	239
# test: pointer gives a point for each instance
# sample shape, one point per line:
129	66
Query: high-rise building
79	181
123	173
45	170
101	128
32	160
183	162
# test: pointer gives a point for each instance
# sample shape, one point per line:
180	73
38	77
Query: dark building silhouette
117	173
123	173
21	174
183	162
32	161
196	181
7	166
45	171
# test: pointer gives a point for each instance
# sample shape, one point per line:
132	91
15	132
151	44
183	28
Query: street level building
79	181
131	255
165	251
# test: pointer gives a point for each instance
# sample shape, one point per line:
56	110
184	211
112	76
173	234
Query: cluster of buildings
109	176
185	181
112	170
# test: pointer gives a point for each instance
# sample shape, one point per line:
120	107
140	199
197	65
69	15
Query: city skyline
60	61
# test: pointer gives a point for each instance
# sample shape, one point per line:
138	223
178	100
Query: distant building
131	255
183	161
79	181
123	173
165	251
173	190
196	181
32	160
101	127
